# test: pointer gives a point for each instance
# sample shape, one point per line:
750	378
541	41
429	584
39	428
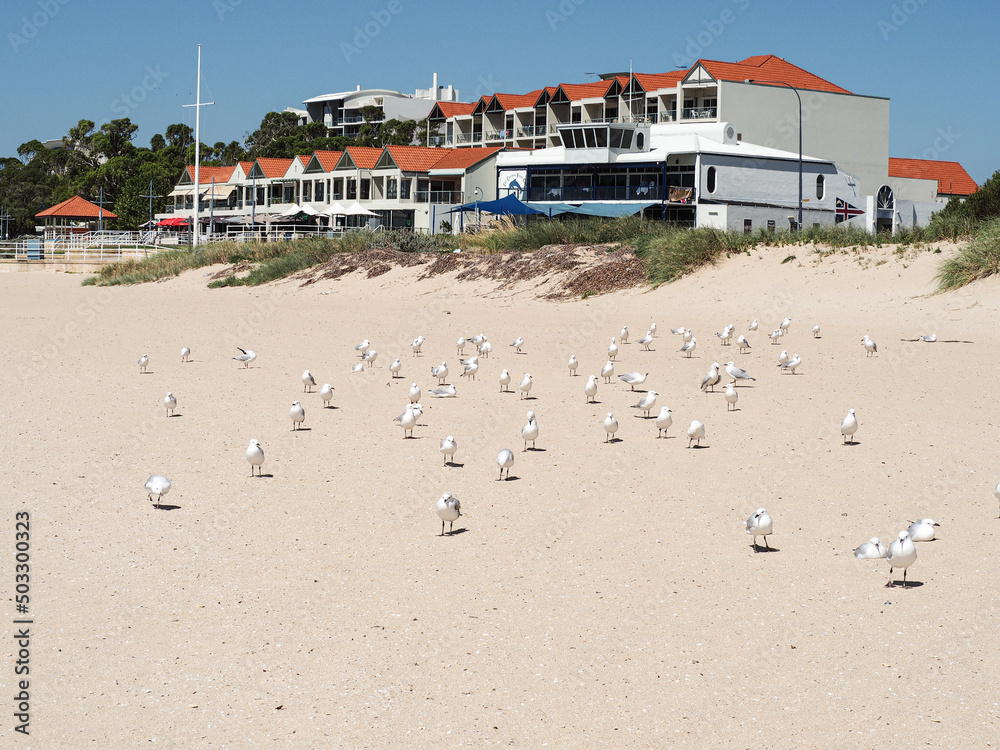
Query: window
390	188
770	225
307	192
710	180
352	190
747	226
639	141
319	191
404	189
820	187
366	189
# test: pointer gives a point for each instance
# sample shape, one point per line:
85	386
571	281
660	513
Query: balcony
700	113
611	193
450	197
499	135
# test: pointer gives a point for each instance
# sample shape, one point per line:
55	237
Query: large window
404	189
710	180
390	187
366	189
820	187
352	190
319	191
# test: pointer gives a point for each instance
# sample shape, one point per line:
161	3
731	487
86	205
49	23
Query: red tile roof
304	158
593	90
364	157
328	159
515	101
221	174
764	68
656	81
76	208
463	158
453	109
273	167
414	158
247	166
951	177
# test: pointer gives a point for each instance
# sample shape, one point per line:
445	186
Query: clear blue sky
65	60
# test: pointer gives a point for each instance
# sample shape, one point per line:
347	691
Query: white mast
197	150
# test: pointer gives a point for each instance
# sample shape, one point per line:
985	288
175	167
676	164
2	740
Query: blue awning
609	210
509	205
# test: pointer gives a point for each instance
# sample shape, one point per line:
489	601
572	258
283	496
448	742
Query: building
75	215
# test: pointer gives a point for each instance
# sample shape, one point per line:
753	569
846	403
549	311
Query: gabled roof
463	158
574	92
221	174
444	110
516	101
76	208
768	68
271	167
951	176
656	81
359	157
323	161
304	158
410	158
246	166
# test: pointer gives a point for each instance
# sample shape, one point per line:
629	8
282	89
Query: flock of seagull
900	554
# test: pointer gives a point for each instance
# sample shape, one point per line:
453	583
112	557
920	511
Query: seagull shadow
898	584
524	353
413	437
534	450
613	440
166	507
264	476
453	465
851	444
302	429
509	478
758	548
454	532
331	407
643	416
147	372
529	398
171	416
666	437
698	447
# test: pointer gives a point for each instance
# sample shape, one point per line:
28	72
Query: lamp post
799	98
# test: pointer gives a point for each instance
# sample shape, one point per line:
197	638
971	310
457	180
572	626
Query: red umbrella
175	221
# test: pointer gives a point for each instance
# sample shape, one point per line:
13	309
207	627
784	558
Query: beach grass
978	259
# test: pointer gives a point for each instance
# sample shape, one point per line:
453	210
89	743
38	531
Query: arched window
710	180
820	187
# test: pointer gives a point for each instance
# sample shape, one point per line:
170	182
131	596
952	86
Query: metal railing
438	196
700	113
608	193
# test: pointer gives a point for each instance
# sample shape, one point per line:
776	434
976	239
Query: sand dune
606	595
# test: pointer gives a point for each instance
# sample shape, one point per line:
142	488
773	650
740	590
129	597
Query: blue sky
66	60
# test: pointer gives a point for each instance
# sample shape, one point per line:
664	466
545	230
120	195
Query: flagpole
197	149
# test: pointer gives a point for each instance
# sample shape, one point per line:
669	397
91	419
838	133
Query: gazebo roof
76	208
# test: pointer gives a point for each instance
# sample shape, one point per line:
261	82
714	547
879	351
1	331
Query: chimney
358	88
450	96
434	88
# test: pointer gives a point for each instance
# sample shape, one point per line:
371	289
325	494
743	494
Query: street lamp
796	92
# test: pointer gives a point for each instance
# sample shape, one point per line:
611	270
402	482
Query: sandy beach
605	596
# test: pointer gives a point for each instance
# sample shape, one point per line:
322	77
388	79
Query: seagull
448	509
448	448
297	414
460	345
478	339
870	346
725	335
308	381
157	485
246	357
504	380
923	530
688	335
607	371
530	431
370	357
408	419
473	360
610	426
784	324
470	371
417	343
143	362
505	459
663	420
440	372
326	393
736	373
873	549
590	389
742	343
255	456
849	426
791	364
646	340
731	396
525	385
753	326
632	379
815	331
647	402
689	346
711	377
623	336
445	391
414	393
652	329
359	367
485	348
169	403
696	432
518	343
678	331
783	357
929	338
186	354
996	492
396	366
363	347
573	364
612	349
902	554
760	524
776	334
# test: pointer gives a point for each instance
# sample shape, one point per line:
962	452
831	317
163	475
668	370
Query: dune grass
977	260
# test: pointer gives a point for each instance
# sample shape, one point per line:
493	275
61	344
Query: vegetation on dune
977	260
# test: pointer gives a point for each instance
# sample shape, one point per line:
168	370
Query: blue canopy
509	205
610	210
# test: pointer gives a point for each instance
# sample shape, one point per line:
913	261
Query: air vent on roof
729	133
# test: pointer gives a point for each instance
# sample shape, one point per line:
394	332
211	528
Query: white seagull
632	379
791	364
477	339
784	324
731	396
725	335
363	347
326	393
663	420
414	393
760	524
186	354
370	357
517	343
688	335
647	402
359	367
297	414
753	326
873	549
696	432
255	456
448	509
308	381
678	331
157	485
474	359
525	385
530	431
612	349
246	356
870	346
607	371
485	348
742	343
610	426
573	364
408	419
689	346
440	372
623	336
460	345
711	378
775	335
417	343
849	426
448	448
143	362
930	338
902	554
996	491
815	331
444	391
652	329
505	459
736	373
590	389
923	530
504	380
169	403
646	340
396	366
470	370
783	357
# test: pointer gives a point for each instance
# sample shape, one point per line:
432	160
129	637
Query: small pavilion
75	215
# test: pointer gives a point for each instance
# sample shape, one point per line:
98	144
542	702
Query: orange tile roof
951	176
328	159
452	109
764	68
273	167
364	157
655	81
515	101
247	166
304	158
76	208
592	90
414	158
221	174
463	158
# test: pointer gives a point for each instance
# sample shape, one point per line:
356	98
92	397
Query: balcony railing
438	196
530	131
700	113
612	193
465	137
498	135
